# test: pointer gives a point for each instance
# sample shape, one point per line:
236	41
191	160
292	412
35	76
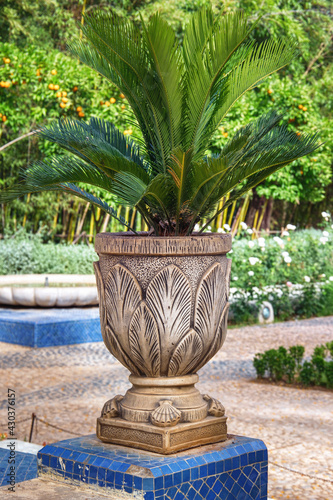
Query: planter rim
145	245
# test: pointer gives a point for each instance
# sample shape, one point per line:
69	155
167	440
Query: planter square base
163	440
235	470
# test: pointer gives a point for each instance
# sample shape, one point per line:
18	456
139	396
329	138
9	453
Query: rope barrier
19	422
301	473
58	428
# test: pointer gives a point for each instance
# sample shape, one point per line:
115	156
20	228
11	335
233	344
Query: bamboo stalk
25	215
92	226
233	206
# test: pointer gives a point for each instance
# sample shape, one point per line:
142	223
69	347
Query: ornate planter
163	310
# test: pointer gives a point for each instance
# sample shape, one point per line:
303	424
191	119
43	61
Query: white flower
243	225
226	227
196	228
261	242
230	251
331	278
332	226
253	260
209	228
287	259
285	233
323	240
322	275
285	254
250	273
291	227
307	279
220	230
249	230
326	233
325	215
251	243
278	240
235	278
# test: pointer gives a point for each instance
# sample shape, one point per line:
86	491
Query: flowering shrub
295	257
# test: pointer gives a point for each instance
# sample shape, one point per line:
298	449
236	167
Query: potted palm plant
164	294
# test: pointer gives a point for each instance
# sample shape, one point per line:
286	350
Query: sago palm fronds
180	93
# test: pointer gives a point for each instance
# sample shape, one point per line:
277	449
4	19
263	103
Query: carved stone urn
163	310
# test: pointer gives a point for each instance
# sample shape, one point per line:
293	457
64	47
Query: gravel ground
67	386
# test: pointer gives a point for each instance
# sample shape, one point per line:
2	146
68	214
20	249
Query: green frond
98	143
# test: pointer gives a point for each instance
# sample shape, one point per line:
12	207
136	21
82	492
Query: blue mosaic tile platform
233	470
25	467
50	327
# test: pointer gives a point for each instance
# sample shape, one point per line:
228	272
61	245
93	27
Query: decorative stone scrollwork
166	415
215	408
111	408
154	334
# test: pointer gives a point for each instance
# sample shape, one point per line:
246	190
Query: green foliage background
33	37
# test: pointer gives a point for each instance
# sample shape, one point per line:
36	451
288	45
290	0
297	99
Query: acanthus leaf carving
219	337
209	305
111	407
186	355
145	342
122	296
113	344
169	299
101	296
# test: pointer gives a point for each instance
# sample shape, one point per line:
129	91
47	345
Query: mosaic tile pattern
237	470
25	466
50	327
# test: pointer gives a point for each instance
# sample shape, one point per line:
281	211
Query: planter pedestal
163	415
235	469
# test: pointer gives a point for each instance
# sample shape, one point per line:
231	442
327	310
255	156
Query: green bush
288	365
27	254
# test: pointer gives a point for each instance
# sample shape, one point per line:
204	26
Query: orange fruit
6	60
54	72
23	82
38	72
58	94
75	89
51	86
64	99
62	105
81	114
298	133
4	118
112	100
269	91
78	109
39	79
101	103
300	106
64	94
107	103
2	84
305	108
123	106
56	87
122	96
0	115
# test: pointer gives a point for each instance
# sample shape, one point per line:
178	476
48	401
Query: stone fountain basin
48	290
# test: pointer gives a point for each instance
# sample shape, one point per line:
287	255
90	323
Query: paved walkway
67	386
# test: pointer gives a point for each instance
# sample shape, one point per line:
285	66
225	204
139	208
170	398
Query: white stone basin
48	290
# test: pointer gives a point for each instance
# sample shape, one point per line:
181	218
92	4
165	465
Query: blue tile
119	478
219	467
211	480
252	457
194	473
228	464
186	475
110	476
148	483
203	471
211	468
168	481
244	460
149	495
138	483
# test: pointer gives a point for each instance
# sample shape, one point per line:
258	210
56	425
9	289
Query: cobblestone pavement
67	386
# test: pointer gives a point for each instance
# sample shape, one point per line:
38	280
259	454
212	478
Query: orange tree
37	87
